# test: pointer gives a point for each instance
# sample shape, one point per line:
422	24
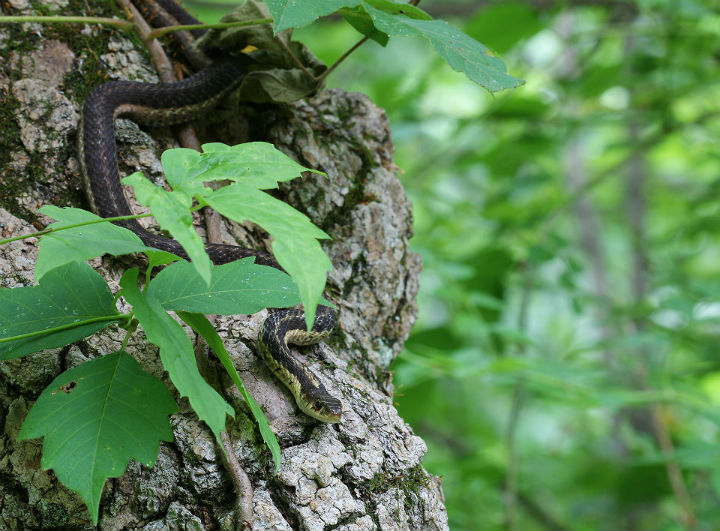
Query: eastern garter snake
171	103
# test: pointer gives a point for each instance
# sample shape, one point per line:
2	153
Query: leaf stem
117	317
296	60
342	58
159	32
105	21
133	326
74	225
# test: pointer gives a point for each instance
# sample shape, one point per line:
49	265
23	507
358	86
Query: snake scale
172	103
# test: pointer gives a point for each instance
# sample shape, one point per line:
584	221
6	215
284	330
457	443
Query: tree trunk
364	473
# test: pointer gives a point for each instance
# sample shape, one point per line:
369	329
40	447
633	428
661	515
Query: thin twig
157	54
637	206
159	32
243	486
518	401
342	58
125	25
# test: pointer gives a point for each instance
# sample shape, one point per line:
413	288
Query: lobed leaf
257	164
95	418
81	243
202	326
56	302
176	353
237	287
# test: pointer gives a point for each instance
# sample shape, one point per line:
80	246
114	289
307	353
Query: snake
160	104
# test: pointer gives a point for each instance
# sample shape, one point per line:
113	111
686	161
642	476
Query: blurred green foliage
564	369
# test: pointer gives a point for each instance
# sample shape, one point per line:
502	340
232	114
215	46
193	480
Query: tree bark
362	474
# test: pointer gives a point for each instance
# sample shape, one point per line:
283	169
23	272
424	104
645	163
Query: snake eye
318	405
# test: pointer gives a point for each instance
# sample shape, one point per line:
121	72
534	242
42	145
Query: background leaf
176	353
202	326
97	416
239	287
55	302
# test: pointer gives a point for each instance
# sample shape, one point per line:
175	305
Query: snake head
323	407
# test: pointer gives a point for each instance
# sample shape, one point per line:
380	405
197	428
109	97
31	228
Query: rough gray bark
362	474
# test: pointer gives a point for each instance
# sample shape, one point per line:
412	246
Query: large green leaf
292	14
462	52
177	354
81	243
376	17
295	243
72	297
171	210
257	164
202	326
235	288
97	416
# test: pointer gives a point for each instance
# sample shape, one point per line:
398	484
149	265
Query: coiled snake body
170	103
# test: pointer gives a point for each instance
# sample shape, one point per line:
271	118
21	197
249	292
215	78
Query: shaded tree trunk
362	474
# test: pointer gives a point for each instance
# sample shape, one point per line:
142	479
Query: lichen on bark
362	474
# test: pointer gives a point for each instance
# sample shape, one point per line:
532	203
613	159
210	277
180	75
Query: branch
124	25
159	32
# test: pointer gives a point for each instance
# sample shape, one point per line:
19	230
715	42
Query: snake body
171	103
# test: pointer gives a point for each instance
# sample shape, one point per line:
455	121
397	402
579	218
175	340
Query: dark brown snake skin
169	103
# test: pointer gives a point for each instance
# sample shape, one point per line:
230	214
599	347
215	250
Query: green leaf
257	164
399	8
358	18
171	210
292	14
461	52
202	326
238	287
181	168
176	353
81	243
159	258
97	416
56	308
295	243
